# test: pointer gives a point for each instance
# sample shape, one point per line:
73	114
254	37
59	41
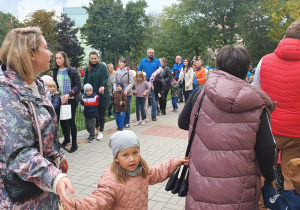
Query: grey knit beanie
87	86
122	140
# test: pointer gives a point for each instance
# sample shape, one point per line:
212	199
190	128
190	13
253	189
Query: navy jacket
288	199
91	105
55	100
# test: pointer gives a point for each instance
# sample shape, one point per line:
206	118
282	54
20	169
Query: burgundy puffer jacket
224	171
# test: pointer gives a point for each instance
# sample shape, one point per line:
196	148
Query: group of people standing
233	143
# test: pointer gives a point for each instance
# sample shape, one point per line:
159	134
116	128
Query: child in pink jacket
124	184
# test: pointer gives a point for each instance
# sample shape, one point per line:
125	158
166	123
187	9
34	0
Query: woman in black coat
167	76
68	82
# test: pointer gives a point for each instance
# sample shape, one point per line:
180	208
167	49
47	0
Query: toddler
90	101
124	184
288	199
174	93
141	91
55	96
119	101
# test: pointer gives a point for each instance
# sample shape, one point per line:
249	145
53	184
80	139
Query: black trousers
101	119
67	125
163	101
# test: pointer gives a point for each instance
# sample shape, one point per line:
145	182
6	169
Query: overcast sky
21	8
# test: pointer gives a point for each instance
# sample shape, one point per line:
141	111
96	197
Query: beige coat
187	76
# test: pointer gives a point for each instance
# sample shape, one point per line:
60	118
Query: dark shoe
73	149
65	143
127	126
163	112
153	118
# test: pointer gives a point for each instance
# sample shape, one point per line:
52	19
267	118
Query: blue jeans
174	102
154	104
139	107
180	95
127	116
120	116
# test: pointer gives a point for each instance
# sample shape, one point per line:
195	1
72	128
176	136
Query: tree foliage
47	22
281	13
113	30
68	41
7	22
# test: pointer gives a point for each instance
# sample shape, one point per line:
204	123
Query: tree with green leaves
66	36
104	29
282	14
47	22
7	22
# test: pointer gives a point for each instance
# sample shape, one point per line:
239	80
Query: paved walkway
159	141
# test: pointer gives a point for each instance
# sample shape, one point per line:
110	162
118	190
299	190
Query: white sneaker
127	126
137	123
100	136
143	122
96	131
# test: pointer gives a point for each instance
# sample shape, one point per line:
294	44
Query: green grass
79	117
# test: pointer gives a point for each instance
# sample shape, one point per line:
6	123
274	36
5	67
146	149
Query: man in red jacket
278	74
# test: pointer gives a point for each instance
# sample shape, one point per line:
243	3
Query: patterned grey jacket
19	140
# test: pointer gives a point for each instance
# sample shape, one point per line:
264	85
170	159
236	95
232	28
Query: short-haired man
176	71
278	74
149	65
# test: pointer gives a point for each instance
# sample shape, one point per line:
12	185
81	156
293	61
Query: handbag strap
187	153
38	129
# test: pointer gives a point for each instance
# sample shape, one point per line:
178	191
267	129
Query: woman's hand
144	93
184	160
135	92
65	99
61	191
187	87
101	89
125	92
64	166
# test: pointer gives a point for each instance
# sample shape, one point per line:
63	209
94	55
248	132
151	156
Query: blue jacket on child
288	199
91	105
55	100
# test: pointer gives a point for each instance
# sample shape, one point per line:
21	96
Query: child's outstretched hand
68	207
184	160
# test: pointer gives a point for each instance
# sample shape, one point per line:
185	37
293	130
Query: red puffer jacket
280	78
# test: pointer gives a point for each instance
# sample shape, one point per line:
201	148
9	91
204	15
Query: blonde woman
25	54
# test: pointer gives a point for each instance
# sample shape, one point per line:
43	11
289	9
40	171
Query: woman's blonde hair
120	173
51	83
66	60
15	49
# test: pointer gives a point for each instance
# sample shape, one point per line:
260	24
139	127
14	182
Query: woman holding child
26	111
97	75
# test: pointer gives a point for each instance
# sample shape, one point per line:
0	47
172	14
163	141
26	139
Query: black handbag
179	180
17	189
